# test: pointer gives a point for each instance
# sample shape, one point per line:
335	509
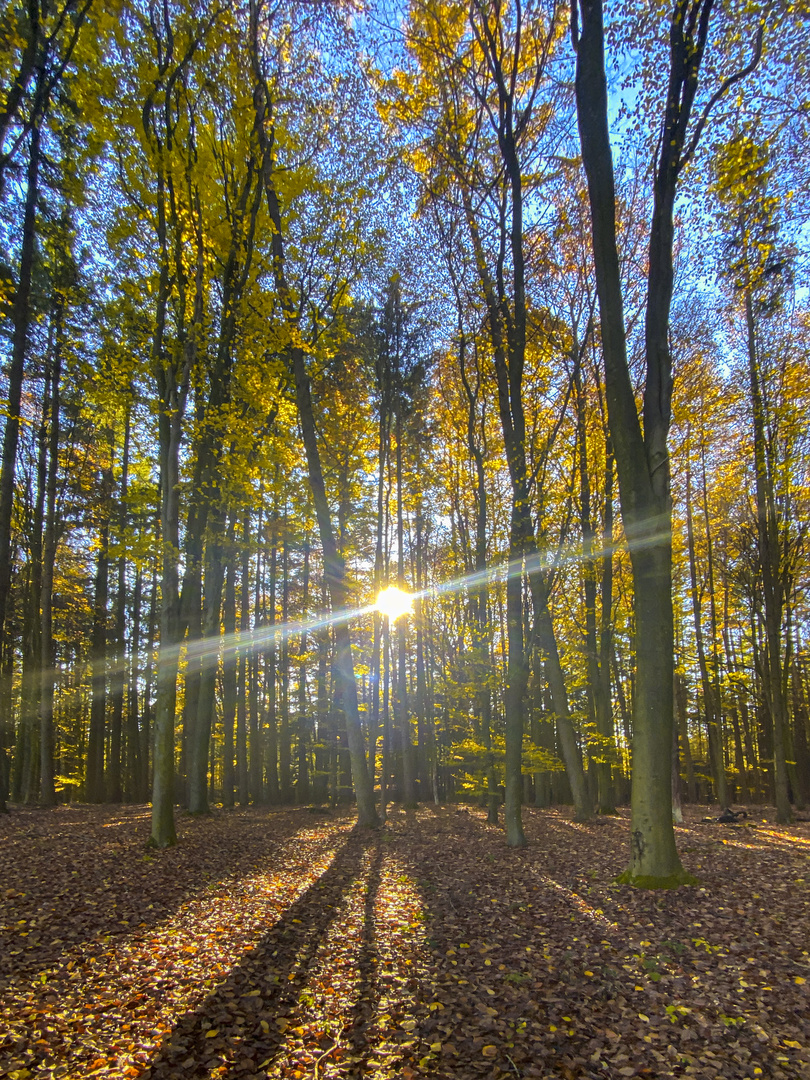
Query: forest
404	497
502	305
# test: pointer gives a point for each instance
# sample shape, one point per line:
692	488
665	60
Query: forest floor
289	944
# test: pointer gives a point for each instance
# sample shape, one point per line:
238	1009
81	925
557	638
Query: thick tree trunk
641	457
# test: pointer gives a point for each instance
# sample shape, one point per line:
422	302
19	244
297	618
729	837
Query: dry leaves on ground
289	944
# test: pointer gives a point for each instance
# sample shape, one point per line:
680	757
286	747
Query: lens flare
394	602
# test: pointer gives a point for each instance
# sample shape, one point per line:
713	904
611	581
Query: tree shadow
75	855
368	961
241	1026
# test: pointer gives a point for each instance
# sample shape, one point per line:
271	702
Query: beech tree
640	442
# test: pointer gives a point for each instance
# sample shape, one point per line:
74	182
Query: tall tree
640	442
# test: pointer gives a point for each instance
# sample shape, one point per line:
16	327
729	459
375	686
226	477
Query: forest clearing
291	943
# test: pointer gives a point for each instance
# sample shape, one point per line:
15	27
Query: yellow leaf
489	1051
435	1047
799	980
589	974
264	1026
211	1033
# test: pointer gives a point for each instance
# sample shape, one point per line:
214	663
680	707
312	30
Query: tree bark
47	734
641	456
770	560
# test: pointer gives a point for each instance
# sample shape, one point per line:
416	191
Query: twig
326	1053
514	1066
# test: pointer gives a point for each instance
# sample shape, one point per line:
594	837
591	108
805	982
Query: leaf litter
285	944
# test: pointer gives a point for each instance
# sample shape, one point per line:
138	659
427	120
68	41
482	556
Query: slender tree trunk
547	640
769	553
273	788
163	830
302	794
229	674
21	322
98	659
118	673
200	743
134	762
147	730
683	728
710	703
47	734
334	568
285	737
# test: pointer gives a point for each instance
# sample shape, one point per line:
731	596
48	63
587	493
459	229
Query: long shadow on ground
240	1028
83	875
545	967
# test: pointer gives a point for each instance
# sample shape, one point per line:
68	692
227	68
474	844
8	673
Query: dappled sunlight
355	998
112	999
785	839
579	905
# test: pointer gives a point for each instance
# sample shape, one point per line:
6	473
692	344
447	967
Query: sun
394	602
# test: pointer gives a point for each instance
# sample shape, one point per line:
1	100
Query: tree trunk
98	659
118	673
271	757
641	456
133	741
583	808
770	563
302	793
229	674
710	702
47	735
334	568
21	321
285	736
199	746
